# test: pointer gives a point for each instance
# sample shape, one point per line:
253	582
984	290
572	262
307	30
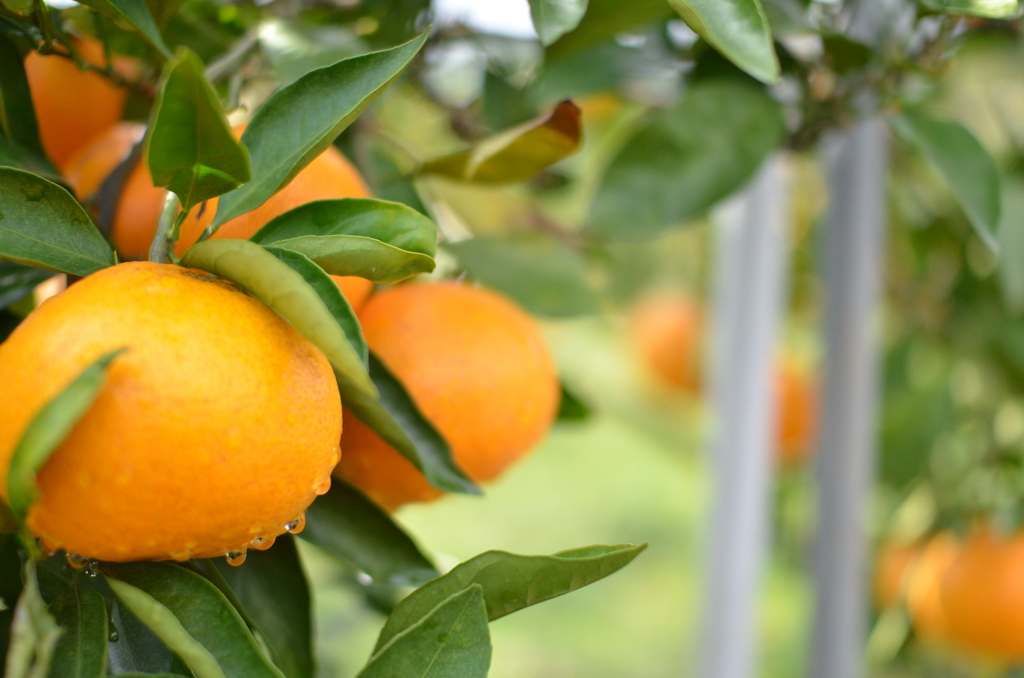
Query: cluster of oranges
968	593
668	331
220	423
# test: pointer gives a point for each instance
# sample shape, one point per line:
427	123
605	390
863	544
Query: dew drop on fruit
114	636
235	558
296	525
321	486
262	543
181	556
76	561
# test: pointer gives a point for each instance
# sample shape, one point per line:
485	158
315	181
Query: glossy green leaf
555	18
51	425
294	49
191	149
17	113
34	633
963	162
1011	246
191	617
542	274
43	225
138	650
687	159
511	582
289	292
397	419
17	281
272	588
300	121
385	242
517	154
736	28
346	523
133	13
988	9
81	651
605	19
450	641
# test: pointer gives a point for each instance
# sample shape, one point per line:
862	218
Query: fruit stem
167	231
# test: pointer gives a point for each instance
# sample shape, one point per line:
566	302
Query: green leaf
133	14
969	170
450	641
605	19
385	242
687	159
17	113
81	651
555	18
313	311
138	650
163	10
272	589
1011	246
988	9
191	617
571	407
346	523
736	28
511	582
400	423
191	149
34	633
17	281
51	425
42	224
517	154
300	121
542	274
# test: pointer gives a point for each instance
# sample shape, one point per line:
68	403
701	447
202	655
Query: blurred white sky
506	17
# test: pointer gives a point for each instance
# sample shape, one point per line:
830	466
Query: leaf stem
167	230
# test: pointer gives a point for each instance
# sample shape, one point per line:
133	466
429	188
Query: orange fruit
135	221
891	572
924	585
196	446
668	328
73	106
477	368
796	396
983	595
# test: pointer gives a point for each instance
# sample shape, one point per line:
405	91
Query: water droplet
296	525
114	636
47	549
337	450
235	558
262	542
181	556
92	569
364	579
76	561
321	486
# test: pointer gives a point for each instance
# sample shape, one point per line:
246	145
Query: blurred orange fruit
892	568
796	394
135	220
196	446
74	106
668	330
924	586
983	596
476	366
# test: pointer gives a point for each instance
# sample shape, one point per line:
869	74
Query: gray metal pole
752	265
846	461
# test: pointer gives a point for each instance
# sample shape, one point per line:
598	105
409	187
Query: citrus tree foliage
702	92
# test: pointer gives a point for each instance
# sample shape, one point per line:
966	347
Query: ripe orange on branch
328	176
477	368
215	430
74	106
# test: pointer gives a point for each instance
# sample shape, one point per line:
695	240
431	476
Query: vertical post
751	265
853	251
